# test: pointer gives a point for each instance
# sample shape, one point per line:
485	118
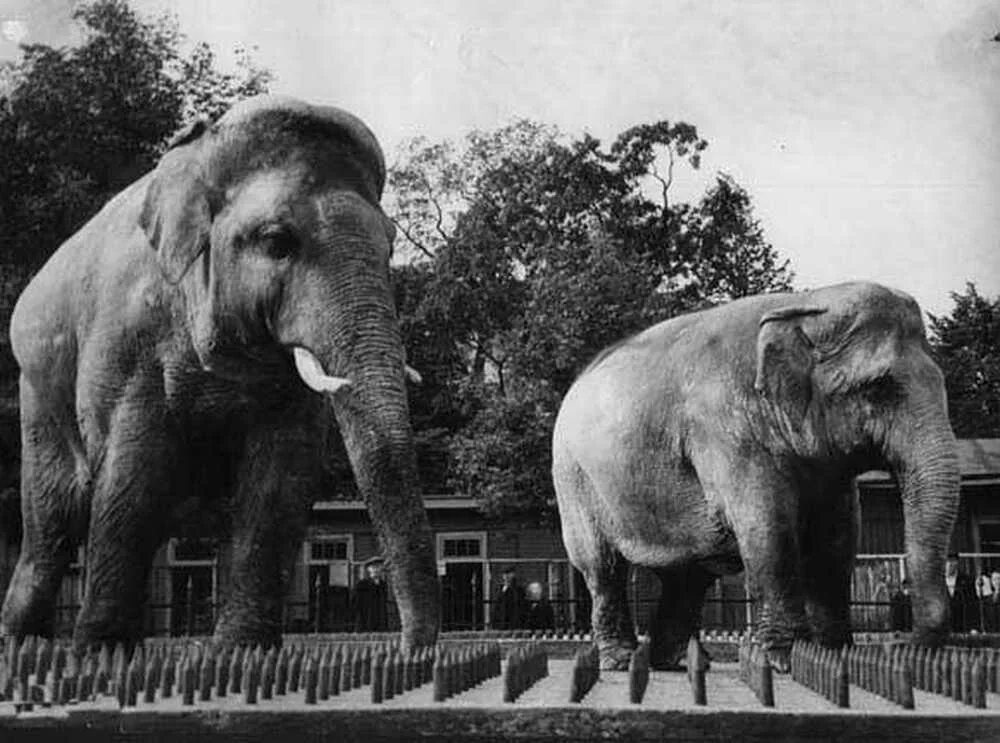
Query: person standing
539	615
509	603
962	596
991	608
369	603
900	610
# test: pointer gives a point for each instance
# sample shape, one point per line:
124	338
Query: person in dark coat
962	597
539	615
368	605
991	604
900	608
509	604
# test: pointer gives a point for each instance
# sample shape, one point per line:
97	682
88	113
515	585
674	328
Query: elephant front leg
763	514
278	479
678	616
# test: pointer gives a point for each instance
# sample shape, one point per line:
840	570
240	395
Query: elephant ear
785	359
175	214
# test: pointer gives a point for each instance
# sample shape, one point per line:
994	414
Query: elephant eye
279	241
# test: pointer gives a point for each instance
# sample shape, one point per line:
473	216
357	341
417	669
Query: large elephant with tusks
205	336
728	440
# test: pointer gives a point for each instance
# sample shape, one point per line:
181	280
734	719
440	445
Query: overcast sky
868	133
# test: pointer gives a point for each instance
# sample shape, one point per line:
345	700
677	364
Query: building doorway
191	563
328	568
463	570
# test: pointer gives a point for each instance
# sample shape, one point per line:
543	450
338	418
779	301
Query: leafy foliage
967	346
538	251
78	124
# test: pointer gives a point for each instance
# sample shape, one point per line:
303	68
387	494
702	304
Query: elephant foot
19	622
931	637
418	635
106	622
675	659
231	632
615	657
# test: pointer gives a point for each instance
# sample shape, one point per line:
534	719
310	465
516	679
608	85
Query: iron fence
183	600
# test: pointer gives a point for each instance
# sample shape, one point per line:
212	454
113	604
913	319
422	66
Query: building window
462	547
989	545
325	550
989	537
188	550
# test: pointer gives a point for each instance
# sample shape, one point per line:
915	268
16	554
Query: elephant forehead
269	196
348	210
268	187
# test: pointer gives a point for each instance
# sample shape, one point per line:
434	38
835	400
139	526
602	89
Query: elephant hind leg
607	579
53	522
603	567
678	615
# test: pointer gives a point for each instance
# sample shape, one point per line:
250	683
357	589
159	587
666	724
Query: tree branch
665	183
409	236
440	219
437	208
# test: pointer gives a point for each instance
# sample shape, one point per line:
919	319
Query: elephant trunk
370	404
924	456
375	425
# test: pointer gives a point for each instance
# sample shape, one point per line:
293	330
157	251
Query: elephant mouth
311	372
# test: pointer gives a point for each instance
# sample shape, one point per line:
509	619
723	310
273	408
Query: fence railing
185	602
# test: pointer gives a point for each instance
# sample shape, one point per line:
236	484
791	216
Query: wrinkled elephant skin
203	337
728	440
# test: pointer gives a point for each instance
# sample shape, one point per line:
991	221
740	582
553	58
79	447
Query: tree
78	124
734	258
539	252
966	344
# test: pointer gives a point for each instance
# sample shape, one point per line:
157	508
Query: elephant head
268	222
848	373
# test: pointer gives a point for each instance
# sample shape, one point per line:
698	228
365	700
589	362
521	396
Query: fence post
748	618
190	605
475	600
317	619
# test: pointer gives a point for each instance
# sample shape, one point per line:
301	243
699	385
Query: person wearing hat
508	607
961	595
368	605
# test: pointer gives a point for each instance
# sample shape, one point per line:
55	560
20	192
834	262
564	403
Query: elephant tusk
413	375
311	372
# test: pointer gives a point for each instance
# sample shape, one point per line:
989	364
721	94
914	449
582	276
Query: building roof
432	501
978	459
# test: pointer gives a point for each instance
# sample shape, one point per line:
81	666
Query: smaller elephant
729	439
